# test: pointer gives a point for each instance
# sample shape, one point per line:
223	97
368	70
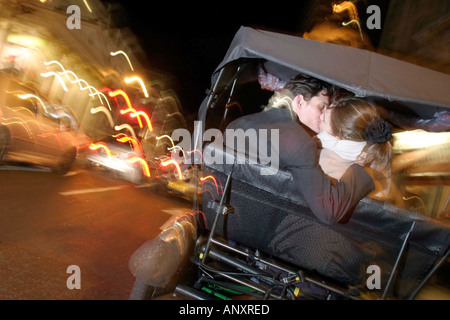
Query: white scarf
346	149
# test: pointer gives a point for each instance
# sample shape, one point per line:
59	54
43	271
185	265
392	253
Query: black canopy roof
363	72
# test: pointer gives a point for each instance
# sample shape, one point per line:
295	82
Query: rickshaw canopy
363	72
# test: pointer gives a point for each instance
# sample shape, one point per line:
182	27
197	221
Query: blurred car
34	131
118	157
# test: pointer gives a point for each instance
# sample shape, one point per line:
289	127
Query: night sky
189	39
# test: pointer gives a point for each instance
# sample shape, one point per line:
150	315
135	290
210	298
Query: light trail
96	146
136	145
27	96
168	137
61	81
139	114
105	111
132	79
177	166
130	108
126	57
143	163
128	127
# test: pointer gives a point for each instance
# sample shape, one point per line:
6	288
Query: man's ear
298	103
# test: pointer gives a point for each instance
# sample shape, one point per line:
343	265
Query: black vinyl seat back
269	217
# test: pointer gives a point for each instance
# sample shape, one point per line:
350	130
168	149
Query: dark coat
330	202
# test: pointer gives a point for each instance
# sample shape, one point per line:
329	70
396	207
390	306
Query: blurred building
346	25
418	31
37	37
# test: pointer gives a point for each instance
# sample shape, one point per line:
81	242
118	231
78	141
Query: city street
315	145
86	218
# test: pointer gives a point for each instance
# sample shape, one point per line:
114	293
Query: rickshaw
389	249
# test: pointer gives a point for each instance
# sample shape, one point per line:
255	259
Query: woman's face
325	120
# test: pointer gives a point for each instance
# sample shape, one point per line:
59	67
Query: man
295	111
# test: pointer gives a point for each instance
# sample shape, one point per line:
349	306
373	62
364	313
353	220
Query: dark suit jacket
330	202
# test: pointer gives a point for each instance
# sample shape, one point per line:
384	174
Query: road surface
87	219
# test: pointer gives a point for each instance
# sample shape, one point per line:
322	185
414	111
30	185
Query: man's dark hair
309	86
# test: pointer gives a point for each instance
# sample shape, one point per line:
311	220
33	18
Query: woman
353	132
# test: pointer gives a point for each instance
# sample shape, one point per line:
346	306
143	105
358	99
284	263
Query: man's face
325	120
309	112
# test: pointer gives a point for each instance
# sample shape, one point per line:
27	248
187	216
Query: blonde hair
302	84
357	120
282	99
